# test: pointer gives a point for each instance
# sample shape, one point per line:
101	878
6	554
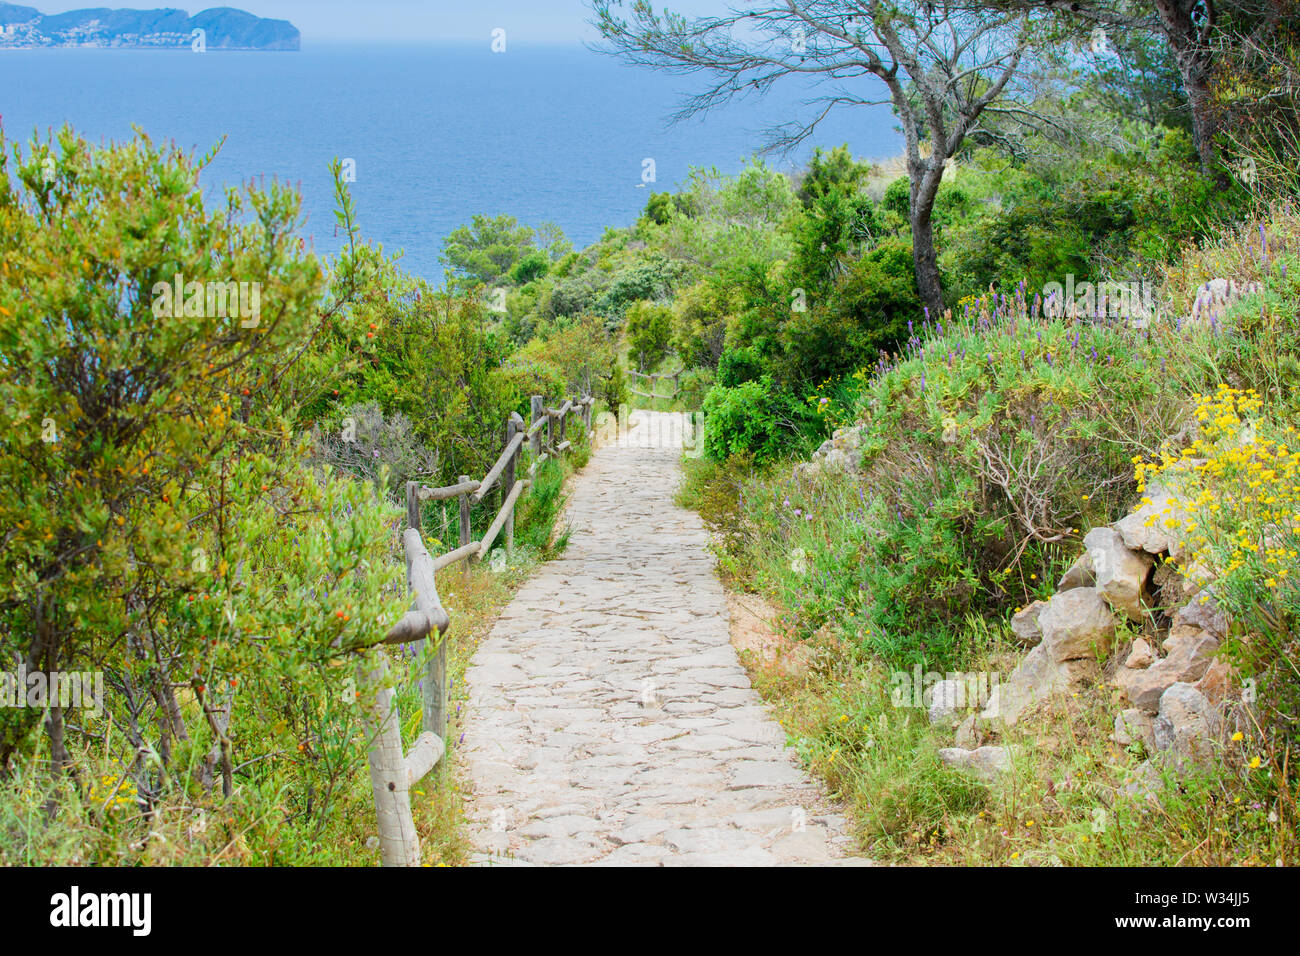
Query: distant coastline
219	29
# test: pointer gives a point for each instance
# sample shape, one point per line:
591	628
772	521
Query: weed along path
609	719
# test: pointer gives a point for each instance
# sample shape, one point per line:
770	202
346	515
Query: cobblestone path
609	719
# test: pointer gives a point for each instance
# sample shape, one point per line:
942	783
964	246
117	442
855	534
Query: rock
966	737
1077	624
1216	682
1121	574
1024	625
945	697
1146	782
1134	725
986	763
847	439
1188	658
1079	575
824	449
1141	656
1036	678
1187	725
1202	613
1144	529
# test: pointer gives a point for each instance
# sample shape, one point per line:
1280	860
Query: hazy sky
525	21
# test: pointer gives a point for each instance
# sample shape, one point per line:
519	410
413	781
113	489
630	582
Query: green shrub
165	525
745	419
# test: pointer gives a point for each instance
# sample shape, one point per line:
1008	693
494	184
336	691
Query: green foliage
166	525
867	312
530	267
487	249
1080	218
745	419
832	171
649	332
652	280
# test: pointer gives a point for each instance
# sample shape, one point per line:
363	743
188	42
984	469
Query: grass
1061	804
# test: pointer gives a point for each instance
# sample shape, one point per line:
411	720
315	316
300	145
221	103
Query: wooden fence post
464	520
535	440
413	505
390	782
514	425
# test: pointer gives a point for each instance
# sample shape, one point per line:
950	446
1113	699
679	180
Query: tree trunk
925	187
1187	40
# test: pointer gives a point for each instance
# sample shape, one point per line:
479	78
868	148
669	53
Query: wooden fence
655	378
392	772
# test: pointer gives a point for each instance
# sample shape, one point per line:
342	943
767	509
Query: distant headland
221	28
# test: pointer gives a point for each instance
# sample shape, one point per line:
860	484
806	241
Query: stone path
609	719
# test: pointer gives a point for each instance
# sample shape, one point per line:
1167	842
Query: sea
434	133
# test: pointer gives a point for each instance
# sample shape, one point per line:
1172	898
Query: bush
649	333
164	526
744	419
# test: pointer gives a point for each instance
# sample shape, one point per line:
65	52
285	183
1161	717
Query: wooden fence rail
654	378
392	772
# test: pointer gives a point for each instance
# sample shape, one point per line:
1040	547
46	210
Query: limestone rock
1140	656
986	763
1202	613
1077	624
1121	573
1188	658
1037	678
1079	575
966	736
1144	529
1187	725
1024	625
945	697
1133	726
1216	682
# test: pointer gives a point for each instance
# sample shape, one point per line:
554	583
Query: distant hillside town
221	28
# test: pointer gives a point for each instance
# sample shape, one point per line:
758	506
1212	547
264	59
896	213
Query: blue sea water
438	133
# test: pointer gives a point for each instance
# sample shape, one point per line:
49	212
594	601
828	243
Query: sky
525	21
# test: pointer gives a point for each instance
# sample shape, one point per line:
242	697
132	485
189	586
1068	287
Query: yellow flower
1254	763
1238	736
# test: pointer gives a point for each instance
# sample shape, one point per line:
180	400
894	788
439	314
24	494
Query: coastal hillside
225	28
